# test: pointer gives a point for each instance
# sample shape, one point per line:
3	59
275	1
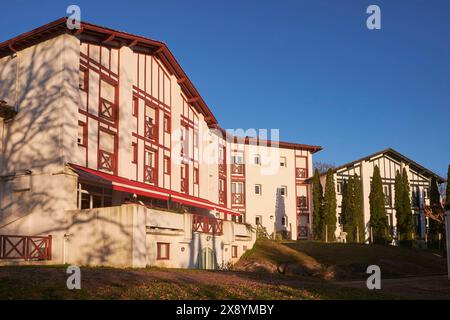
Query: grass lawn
347	261
49	282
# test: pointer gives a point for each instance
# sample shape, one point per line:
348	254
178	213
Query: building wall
35	188
128	236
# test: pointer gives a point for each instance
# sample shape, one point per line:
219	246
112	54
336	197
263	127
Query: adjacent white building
389	162
109	155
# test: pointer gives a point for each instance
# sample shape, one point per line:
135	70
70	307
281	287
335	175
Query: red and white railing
25	247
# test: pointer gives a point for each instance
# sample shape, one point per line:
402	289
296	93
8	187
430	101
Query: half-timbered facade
389	162
105	120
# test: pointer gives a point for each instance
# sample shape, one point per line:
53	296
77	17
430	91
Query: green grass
347	261
108	283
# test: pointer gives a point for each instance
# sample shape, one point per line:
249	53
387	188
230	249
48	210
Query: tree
399	213
329	206
351	210
318	218
359	212
323	166
408	223
435	228
447	193
378	221
348	209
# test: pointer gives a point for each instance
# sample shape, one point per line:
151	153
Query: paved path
430	288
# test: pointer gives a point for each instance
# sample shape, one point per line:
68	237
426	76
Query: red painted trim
158	250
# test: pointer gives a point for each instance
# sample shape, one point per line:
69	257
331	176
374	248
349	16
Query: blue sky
310	68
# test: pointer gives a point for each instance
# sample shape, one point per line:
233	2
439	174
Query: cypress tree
435	201
408	224
346	208
359	213
378	221
447	192
317	207
399	213
330	206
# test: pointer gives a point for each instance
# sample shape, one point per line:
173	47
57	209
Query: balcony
237	169
149	174
106	161
222	197
237	198
184	185
107	110
205	224
301	173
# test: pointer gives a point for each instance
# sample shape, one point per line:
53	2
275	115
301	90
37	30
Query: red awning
126	185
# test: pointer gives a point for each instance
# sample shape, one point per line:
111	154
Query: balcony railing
107	109
222	197
301	173
222	167
205	224
150	130
25	247
149	174
237	168
106	161
302	203
184	185
237	198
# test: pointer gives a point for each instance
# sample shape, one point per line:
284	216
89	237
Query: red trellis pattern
303	232
207	224
25	247
301	173
106	161
183	185
237	198
237	169
107	109
150	175
149	129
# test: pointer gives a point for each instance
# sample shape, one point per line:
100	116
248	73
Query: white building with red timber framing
110	156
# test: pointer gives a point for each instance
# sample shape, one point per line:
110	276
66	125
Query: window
107	100
284	221
195	138
339	187
150	122
237	158
258	220
167	125
258	189
149	158
257	159
234	251
302	202
283	191
90	196
283	162
135	106
387	195
237	187
107	159
134	145
162	251
196	175
82	133
83	79
166	165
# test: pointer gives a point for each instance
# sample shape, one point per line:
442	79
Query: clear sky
308	67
